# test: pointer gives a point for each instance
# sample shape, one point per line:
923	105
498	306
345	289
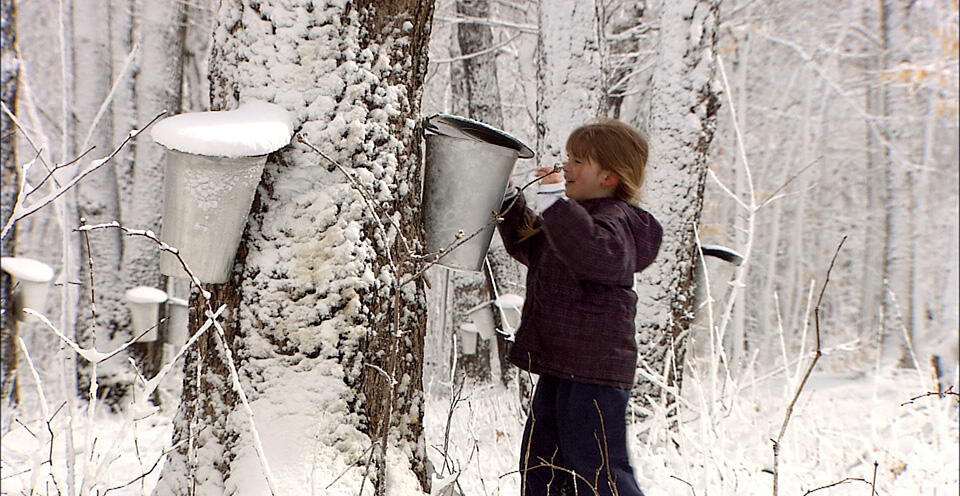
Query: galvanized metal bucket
33	278
468	165
205	207
144	303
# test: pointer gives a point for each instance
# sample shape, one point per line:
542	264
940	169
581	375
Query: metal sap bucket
34	278
144	304
205	207
468	165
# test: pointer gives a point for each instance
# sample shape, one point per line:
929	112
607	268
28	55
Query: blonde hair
616	147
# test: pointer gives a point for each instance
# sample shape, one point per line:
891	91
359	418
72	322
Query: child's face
586	180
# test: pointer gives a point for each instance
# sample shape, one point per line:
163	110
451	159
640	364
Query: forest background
822	122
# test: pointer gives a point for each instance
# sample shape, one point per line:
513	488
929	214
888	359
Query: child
577	330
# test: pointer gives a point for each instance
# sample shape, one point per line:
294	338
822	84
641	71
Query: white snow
254	128
27	269
145	294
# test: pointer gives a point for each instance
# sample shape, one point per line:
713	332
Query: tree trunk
157	87
569	86
623	26
683	112
871	289
9	389
327	348
898	198
98	198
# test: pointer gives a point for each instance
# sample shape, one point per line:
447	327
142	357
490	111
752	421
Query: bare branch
806	376
844	481
96	164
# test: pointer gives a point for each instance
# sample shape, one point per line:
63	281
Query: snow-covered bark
8	176
568	73
682	120
328	351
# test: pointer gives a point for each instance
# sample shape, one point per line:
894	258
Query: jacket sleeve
511	229
598	248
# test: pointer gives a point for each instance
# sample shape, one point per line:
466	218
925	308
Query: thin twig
692	491
96	164
51	172
367	198
148	472
939	394
93	290
160	245
844	481
354	464
26	135
773	196
806	376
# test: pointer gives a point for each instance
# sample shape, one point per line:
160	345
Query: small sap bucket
468	165
33	277
144	303
214	163
468	338
205	207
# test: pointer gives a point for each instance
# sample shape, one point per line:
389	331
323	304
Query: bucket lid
461	127
145	294
27	269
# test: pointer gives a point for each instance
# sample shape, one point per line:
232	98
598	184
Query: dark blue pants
581	428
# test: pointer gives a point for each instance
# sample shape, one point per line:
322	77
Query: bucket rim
455	126
224	158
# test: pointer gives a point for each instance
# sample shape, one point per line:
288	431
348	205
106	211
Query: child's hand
549	176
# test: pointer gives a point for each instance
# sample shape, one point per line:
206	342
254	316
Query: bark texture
318	329
569	82
9	390
683	110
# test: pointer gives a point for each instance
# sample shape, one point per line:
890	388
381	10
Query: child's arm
599	248
514	225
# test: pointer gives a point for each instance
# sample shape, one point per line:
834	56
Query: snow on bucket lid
27	269
463	128
254	128
145	294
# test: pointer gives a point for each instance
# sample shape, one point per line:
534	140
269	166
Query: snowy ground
843	423
840	427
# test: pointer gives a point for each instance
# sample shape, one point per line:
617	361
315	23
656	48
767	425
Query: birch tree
682	122
326	345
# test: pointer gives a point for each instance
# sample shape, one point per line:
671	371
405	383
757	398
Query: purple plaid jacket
578	315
